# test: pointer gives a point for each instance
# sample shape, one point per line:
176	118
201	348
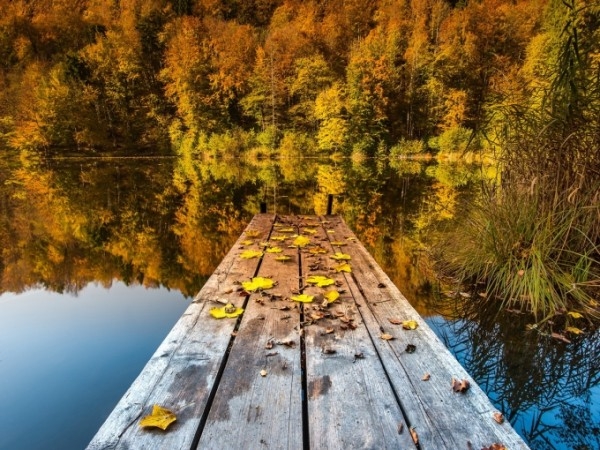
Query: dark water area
99	258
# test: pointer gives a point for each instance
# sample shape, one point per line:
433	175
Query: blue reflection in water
62	373
546	388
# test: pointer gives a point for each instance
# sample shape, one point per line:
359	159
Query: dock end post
329	204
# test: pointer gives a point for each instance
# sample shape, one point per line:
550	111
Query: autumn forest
511	83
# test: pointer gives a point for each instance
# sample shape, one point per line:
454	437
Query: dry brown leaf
460	385
426	377
329	330
560	337
263	373
386	337
495	446
395	321
498	417
414	435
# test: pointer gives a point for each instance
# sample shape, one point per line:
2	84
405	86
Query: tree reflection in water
544	387
169	222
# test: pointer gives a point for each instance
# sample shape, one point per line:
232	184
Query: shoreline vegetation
510	85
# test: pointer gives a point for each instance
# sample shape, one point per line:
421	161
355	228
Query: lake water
100	258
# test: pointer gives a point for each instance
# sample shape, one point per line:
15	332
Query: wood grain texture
441	417
350	401
181	373
253	411
361	391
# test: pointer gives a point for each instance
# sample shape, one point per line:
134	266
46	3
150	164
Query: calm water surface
100	258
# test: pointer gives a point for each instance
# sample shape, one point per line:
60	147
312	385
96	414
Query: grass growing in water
542	260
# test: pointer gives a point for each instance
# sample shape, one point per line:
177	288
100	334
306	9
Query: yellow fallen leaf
264	244
331	296
331	231
278	238
303	298
338	243
320	280
160	418
257	283
410	324
247	242
317	250
283	258
252	234
309	230
341	256
249	254
274	250
574	330
344	267
228	311
575	315
287	230
301	241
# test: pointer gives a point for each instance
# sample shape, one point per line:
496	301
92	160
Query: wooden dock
286	374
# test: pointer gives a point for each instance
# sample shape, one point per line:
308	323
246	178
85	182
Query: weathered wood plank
350	400
181	373
251	410
441	417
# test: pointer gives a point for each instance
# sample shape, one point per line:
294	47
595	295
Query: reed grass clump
545	261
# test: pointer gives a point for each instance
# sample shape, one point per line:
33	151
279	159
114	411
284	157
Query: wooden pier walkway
326	374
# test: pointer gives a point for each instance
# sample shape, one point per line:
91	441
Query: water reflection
168	222
545	388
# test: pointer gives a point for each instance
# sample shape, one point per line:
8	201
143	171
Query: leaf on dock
386	337
320	280
257	283
249	254
331	296
303	298
274	250
410	325
228	311
460	385
301	241
344	267
283	258
414	435
317	250
498	417
495	446
160	418
341	256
